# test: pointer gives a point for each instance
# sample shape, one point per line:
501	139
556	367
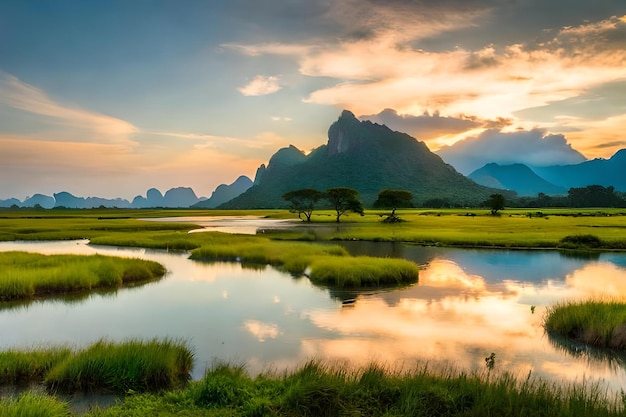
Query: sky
111	98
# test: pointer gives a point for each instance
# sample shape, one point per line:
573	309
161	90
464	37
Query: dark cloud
423	126
427	126
614	144
533	147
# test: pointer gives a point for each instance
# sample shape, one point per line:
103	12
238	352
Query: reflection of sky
265	319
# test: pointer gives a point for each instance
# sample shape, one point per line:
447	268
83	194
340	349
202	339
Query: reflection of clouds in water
445	273
454	316
598	279
262	331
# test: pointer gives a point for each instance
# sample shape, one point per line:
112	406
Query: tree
495	203
344	199
303	201
394	199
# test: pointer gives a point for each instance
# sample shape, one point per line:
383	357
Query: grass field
453	227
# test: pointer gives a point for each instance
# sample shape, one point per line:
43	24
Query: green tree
344	199
394	199
495	203
303	201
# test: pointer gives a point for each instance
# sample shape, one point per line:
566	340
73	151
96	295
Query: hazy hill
224	193
365	156
516	177
604	172
44	201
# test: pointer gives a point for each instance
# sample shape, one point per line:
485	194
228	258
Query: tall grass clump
27	275
34	405
27	366
362	271
601	323
119	367
293	257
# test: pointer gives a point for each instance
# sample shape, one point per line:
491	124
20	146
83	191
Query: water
467	304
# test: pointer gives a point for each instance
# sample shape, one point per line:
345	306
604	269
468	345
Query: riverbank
316	389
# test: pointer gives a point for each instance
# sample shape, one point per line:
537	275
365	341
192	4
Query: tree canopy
394	199
495	203
344	199
303	201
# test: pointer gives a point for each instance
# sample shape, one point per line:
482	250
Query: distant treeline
590	196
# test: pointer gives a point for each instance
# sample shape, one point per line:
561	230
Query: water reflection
467	304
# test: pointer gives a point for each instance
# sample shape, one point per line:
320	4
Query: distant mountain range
224	193
180	197
516	177
557	179
367	157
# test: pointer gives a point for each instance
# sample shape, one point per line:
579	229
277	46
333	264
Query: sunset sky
110	98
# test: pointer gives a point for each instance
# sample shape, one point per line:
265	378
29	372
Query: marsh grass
293	257
600	323
362	271
119	367
19	367
34	405
316	389
26	275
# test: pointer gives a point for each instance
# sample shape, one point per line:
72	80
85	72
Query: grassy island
595	322
28	275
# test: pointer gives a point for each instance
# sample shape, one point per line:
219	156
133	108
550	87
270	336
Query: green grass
120	367
18	367
34	405
135	365
362	271
600	323
292	257
315	389
27	275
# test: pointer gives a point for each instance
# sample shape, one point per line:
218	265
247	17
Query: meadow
513	228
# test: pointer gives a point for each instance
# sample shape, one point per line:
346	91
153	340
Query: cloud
534	147
378	60
260	86
426	126
101	128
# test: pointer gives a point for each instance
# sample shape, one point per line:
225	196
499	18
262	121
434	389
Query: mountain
68	200
224	193
180	197
44	201
605	172
367	157
515	177
9	202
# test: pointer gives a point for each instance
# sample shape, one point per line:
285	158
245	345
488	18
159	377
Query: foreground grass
27	275
600	323
318	390
34	405
135	365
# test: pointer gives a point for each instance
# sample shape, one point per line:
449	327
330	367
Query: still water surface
467	304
